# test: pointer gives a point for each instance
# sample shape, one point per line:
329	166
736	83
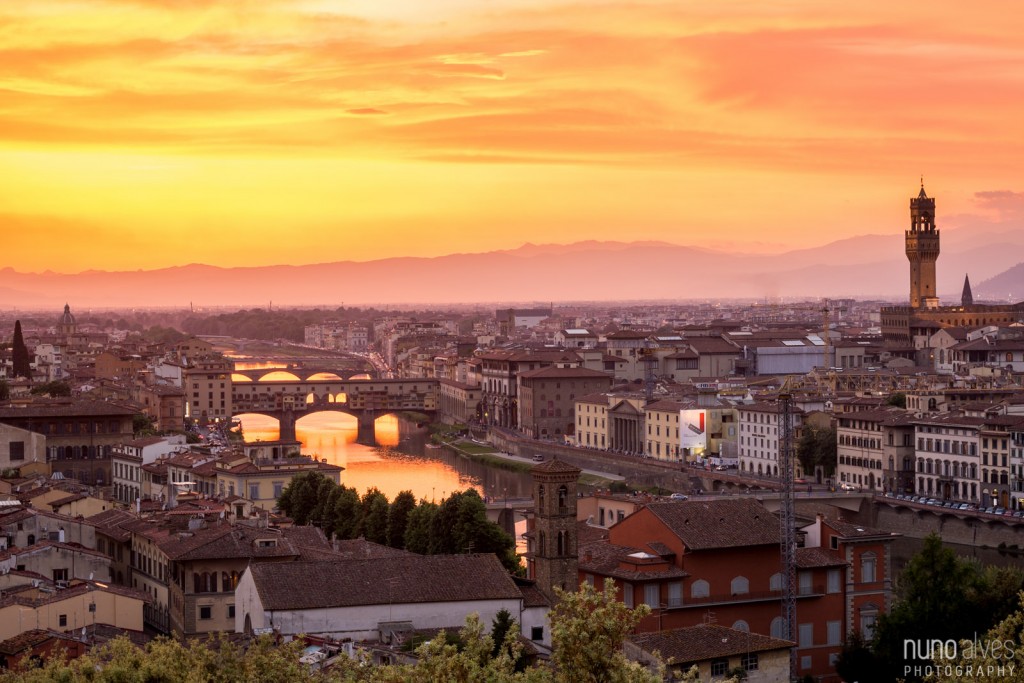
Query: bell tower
922	241
554	560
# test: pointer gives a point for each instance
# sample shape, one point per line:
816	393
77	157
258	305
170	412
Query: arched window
775	582
741	626
739	585
700	589
563	496
778	628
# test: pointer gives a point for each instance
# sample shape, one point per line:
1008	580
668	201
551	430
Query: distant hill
865	266
1006	286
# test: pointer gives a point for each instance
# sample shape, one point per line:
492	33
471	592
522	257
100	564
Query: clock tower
922	242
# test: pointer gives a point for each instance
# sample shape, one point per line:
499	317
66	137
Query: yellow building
81	605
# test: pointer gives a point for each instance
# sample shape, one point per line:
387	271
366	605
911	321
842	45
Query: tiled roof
712	345
532	596
848	530
82	407
607	559
705	641
702	525
401	579
809	558
109	523
565	373
554	465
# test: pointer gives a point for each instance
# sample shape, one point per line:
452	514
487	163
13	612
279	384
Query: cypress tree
22	365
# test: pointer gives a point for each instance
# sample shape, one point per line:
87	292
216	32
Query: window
719	667
749	661
806	635
805	662
868	616
60	574
741	626
627	594
675	594
740	585
537	633
778	628
834	580
834	632
699	589
205	611
775	582
805	585
254	491
17	450
651	595
231	611
867	568
62	620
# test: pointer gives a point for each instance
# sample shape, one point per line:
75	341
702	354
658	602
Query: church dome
67	318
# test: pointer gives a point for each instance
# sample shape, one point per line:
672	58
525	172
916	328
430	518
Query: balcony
753	596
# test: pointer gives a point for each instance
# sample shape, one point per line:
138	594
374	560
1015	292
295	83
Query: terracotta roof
532	596
607	559
555	465
109	523
600	399
222	541
850	531
809	558
565	373
703	525
667	405
712	345
68	408
704	642
401	579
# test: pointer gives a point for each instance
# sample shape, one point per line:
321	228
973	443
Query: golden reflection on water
332	436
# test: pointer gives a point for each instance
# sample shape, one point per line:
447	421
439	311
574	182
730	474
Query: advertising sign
693	430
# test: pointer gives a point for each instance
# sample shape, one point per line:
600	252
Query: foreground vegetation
587	631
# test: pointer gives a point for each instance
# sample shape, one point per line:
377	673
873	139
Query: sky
139	134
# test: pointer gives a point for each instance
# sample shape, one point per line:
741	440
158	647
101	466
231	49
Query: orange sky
148	133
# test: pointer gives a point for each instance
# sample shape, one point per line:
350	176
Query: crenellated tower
922	241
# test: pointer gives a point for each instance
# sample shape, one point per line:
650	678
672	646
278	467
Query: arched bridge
366	399
297	374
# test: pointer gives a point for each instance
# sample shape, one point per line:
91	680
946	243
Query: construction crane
787	521
650	360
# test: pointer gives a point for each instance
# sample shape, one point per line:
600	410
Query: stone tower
555	546
922	241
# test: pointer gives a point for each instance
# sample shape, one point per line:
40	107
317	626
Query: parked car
847	486
679	496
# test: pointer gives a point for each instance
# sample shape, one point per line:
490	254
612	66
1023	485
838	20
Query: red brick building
697	562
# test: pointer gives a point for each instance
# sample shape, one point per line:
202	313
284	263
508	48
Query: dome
67	318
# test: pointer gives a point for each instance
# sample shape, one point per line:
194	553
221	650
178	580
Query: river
400	461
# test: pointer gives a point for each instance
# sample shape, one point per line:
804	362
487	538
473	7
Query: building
366	599
547	398
207	385
80	433
552	559
82	604
499	371
20	447
715	650
901	324
692	561
458	402
875	450
760	432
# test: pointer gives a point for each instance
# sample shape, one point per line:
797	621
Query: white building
760	430
365	599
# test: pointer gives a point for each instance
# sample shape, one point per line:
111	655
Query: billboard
693	430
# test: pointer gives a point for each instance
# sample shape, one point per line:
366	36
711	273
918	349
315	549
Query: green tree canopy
817	448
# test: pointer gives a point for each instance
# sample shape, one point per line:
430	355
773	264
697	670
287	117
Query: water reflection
399	462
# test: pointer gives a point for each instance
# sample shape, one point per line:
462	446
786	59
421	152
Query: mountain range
868	266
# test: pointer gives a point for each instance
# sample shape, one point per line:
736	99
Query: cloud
1006	203
363	111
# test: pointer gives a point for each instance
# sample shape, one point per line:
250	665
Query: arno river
399	462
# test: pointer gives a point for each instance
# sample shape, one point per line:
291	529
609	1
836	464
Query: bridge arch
325	376
239	377
279	376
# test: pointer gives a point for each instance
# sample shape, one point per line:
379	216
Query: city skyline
140	134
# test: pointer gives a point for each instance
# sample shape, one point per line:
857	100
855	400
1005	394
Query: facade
261	483
499	371
457	402
81	605
207	385
80	433
760	430
691	558
547	398
592	421
369	599
20	447
552	559
875	450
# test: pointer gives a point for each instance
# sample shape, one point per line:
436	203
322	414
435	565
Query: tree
347	513
856	661
817	448
5	390
898	399
420	528
398	518
941	596
299	498
998	653
19	354
588	628
52	389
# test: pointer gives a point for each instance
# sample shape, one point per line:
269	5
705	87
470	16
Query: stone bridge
366	399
